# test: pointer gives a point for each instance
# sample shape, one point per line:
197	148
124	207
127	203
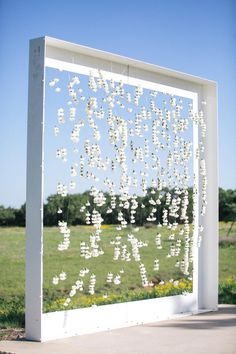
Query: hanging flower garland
150	151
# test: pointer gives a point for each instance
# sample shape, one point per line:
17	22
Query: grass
71	262
224	227
227	256
12	265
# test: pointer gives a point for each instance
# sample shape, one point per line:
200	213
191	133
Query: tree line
71	209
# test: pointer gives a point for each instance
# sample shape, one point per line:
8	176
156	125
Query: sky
197	37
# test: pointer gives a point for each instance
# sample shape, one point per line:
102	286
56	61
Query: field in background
12	265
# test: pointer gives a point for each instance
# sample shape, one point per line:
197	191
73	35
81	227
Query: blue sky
197	37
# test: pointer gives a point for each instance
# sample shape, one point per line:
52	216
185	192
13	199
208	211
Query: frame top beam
61	45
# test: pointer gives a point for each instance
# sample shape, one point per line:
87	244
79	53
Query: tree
71	209
7	216
20	216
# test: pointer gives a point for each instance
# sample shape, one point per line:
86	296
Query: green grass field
12	265
70	261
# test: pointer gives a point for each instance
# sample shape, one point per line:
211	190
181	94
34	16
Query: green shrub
227	291
167	289
12	312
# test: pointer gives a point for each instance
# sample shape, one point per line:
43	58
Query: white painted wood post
34	190
208	258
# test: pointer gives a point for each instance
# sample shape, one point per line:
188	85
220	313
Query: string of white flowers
166	130
61	277
143	275
156	264
92	283
158	241
65	231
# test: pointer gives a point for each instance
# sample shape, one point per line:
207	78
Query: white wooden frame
50	52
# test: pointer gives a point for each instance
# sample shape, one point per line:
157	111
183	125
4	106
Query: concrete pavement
209	332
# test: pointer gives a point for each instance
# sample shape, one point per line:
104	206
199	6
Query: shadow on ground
224	317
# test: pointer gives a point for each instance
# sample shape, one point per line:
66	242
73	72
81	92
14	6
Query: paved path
209	333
